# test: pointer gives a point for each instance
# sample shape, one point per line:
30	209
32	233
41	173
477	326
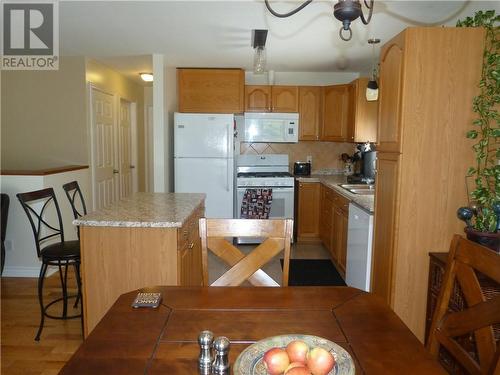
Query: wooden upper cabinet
257	98
362	114
262	98
211	90
335	113
390	94
310	112
285	98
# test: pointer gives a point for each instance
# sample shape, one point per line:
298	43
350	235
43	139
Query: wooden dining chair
464	260
214	234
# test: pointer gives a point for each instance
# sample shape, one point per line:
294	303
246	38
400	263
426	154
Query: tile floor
299	251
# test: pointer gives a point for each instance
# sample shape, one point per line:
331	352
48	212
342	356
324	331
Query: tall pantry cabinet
428	78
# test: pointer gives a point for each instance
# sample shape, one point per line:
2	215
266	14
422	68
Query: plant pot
490	240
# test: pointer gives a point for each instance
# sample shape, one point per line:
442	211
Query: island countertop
147	210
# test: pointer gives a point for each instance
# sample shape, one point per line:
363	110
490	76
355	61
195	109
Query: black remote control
147	300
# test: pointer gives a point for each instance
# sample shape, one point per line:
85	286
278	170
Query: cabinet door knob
191	245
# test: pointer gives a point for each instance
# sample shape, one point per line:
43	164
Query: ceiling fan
345	11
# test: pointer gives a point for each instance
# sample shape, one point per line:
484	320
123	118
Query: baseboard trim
25	271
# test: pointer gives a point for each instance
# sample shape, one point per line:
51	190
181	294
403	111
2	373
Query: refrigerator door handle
227	175
229	151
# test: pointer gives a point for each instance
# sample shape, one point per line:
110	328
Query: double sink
359	189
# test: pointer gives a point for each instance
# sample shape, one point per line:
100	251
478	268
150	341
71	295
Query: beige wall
43	120
115	83
325	155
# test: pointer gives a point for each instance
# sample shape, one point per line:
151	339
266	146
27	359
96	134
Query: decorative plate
249	362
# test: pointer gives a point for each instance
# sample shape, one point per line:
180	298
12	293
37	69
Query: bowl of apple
294	355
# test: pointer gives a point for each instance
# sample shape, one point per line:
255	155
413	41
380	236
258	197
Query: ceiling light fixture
372	86
259	38
146	77
345	11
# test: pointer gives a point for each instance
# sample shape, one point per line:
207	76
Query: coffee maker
367	157
368	167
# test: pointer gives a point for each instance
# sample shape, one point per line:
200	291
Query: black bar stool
60	254
4	207
74	194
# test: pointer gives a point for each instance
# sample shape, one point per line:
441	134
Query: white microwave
270	128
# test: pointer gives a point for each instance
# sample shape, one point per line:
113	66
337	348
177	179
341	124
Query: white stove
266	172
262	171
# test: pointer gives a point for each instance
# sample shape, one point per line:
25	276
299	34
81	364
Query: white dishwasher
359	248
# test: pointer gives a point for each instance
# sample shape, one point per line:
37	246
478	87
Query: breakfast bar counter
145	239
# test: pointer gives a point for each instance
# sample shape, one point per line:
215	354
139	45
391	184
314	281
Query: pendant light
259	45
372	86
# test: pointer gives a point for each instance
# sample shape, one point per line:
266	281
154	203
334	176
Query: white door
124	148
214	177
203	135
103	149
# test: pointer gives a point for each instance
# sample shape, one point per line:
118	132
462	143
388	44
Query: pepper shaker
205	340
221	363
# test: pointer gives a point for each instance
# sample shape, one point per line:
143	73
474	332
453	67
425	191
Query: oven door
281	206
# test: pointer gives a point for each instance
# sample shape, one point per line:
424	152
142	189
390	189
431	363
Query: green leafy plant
486	132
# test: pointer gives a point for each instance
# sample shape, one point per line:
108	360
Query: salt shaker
205	339
220	365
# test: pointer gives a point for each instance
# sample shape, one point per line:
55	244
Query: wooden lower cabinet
334	217
116	260
308	211
340	220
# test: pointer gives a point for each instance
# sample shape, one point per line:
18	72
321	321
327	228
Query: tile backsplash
325	155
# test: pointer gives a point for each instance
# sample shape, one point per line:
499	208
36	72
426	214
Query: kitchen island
142	240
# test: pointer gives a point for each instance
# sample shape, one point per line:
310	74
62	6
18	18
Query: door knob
115	171
132	166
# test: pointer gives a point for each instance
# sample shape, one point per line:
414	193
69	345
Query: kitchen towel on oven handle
256	204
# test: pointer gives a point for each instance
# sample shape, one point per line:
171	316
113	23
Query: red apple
320	361
276	361
297	351
295	365
300	370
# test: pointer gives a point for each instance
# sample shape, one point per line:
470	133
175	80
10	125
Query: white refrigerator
203	159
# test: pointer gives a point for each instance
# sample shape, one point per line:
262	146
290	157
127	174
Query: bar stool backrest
42	229
75	197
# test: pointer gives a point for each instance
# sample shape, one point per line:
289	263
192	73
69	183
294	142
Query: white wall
20	256
301	78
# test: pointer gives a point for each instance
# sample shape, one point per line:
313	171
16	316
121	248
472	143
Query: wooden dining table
164	340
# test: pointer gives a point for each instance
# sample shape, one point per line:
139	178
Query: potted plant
483	214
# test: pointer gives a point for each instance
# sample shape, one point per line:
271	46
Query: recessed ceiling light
146	77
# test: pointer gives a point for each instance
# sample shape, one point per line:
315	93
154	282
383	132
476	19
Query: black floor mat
313	272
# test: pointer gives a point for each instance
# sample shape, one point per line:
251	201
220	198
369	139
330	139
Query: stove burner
263	174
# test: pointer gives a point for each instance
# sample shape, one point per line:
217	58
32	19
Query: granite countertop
365	202
153	210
